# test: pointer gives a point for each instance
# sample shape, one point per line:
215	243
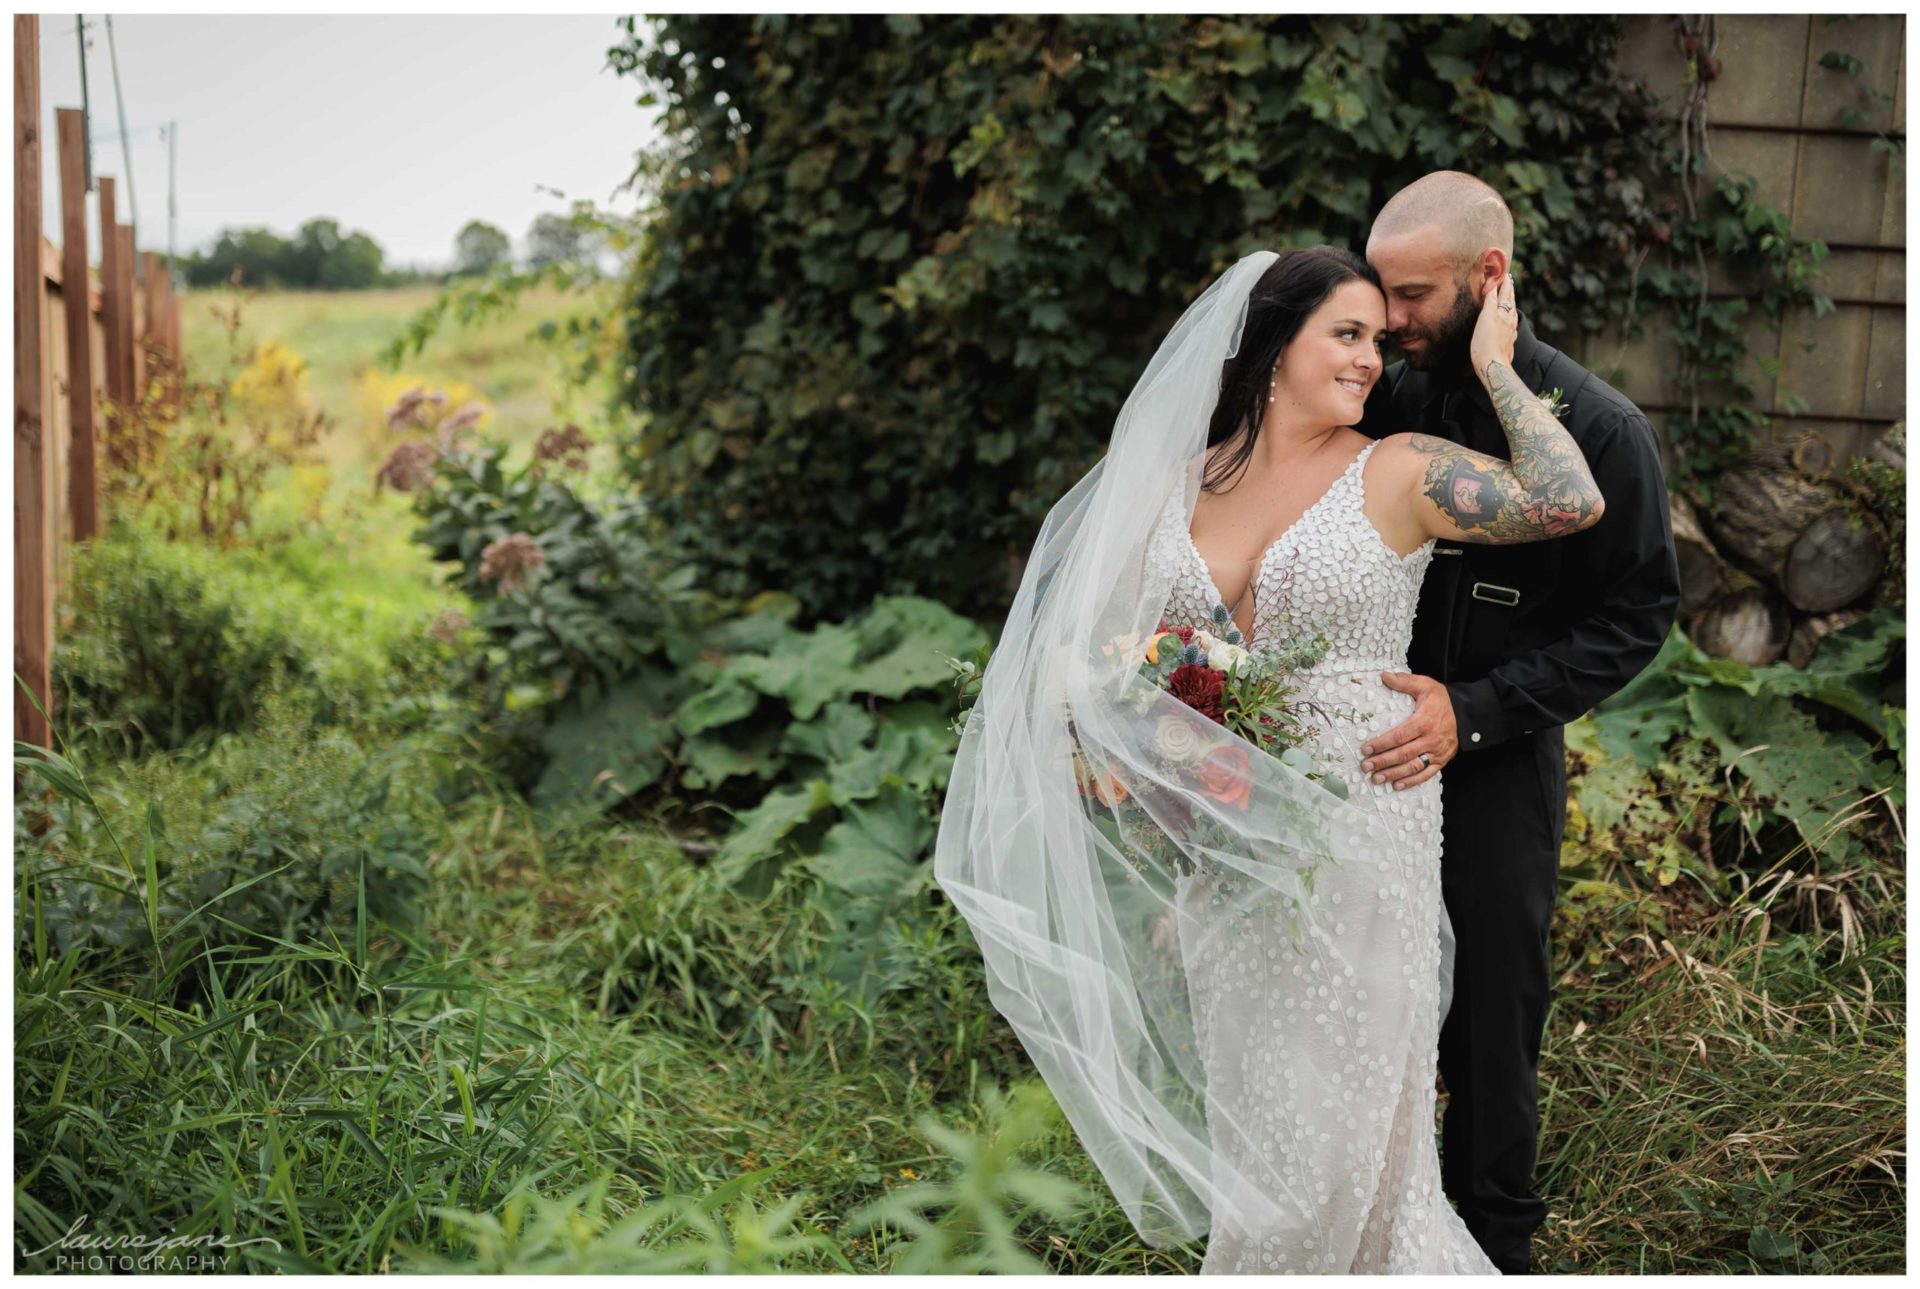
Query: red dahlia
1200	688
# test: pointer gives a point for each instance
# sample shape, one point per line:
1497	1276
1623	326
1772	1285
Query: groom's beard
1449	342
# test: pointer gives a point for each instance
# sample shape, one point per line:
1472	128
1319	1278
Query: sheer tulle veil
1087	917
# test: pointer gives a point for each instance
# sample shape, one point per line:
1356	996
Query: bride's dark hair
1287	293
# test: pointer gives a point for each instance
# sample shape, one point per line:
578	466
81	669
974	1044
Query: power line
173	140
138	131
120	105
86	101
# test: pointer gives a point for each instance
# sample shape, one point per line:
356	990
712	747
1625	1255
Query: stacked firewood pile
1789	549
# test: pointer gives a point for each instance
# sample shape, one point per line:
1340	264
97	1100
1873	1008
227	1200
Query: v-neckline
1260	566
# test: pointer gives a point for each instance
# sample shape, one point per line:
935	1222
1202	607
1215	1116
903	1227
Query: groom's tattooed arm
1545	491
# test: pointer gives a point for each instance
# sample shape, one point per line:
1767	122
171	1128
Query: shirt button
1475	737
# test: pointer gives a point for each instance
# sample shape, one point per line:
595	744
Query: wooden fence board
32	528
126	316
109	317
83	485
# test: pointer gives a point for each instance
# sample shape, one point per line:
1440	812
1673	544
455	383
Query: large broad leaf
914	749
808	671
1608	782
1655	683
1865	646
877	848
836	734
1635	724
600	753
726	700
873	869
903	638
1810	776
1857	671
758	833
1638	734
708	760
753	633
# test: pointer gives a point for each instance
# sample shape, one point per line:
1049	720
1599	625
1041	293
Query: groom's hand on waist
1394	757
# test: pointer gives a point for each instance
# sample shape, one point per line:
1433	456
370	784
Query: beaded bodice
1330	572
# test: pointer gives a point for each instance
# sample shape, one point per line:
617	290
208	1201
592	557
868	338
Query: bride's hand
1499	326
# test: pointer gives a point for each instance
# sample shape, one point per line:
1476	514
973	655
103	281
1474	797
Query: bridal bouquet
1246	692
1248	695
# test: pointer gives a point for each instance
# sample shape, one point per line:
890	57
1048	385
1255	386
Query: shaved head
1469	216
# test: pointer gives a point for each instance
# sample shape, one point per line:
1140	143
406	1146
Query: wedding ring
1426	759
1507	307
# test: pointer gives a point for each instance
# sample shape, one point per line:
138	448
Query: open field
340	335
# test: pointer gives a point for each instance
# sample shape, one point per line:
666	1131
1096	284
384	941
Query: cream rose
1177	739
1221	655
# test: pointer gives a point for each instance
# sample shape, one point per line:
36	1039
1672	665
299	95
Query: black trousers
1505	812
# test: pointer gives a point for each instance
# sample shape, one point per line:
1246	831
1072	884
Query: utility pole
173	138
86	103
126	143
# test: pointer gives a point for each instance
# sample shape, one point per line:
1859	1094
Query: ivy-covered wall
903	271
1813	108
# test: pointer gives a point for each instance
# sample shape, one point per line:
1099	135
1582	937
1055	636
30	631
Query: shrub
209	452
871	355
572	591
163	648
288	831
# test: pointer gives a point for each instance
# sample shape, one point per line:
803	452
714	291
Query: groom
1509	644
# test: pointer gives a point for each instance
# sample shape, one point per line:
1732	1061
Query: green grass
552	1027
1731	1097
584	1016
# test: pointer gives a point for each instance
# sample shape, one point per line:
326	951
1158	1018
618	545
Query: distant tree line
322	256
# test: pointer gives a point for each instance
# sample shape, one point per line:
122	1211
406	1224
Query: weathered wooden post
110	423
32	495
123	268
83	486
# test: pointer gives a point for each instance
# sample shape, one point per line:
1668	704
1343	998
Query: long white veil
1092	919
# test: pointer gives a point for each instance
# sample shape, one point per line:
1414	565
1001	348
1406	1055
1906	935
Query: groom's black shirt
1531	636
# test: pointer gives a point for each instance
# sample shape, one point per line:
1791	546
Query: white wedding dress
1322	1058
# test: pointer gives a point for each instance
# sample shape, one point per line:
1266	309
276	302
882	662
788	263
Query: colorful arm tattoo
1545	491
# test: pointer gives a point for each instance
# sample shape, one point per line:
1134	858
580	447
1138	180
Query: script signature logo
82	1251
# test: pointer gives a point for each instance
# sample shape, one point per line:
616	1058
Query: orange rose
1106	787
1223	775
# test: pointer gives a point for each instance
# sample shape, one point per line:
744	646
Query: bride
1230	968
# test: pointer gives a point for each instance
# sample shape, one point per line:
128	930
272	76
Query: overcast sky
401	127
